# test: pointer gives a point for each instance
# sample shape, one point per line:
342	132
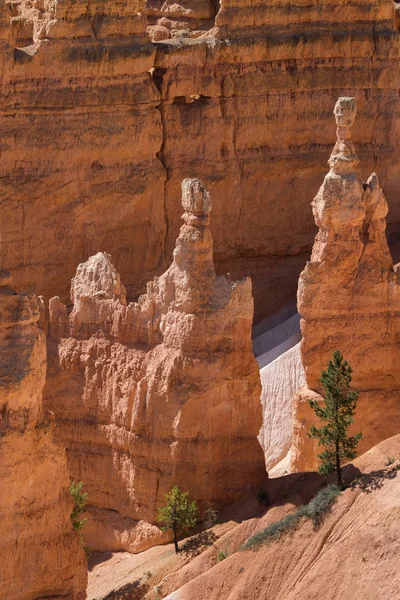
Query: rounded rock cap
345	111
195	198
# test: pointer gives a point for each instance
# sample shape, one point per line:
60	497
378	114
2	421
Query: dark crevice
158	80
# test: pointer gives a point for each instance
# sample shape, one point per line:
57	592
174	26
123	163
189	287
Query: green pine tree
178	514
337	410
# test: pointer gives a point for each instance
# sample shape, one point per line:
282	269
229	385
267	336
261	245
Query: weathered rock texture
95	143
349	296
41	554
185	18
158	392
276	346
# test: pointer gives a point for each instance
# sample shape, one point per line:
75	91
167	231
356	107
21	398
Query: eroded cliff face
95	142
41	554
160	392
349	296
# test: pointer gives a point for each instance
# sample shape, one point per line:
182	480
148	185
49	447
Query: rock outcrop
100	126
41	554
158	392
183	19
349	296
276	346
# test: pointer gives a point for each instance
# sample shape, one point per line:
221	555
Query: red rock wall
41	554
95	143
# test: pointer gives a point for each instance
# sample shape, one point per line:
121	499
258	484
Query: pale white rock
280	379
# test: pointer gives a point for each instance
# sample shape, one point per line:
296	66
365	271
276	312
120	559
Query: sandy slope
354	554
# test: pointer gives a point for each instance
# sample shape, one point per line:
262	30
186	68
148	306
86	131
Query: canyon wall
41	554
99	127
349	297
160	392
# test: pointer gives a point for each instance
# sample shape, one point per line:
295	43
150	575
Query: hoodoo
100	126
349	296
158	392
41	554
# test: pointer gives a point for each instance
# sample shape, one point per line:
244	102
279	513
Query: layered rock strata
41	554
349	296
95	143
158	392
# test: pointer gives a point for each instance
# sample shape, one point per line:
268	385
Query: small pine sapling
337	410
178	514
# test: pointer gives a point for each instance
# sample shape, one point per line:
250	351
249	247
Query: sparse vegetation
210	516
337	410
273	532
80	499
263	497
178	514
315	510
390	460
319	506
222	555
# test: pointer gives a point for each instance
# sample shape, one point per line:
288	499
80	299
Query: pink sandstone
158	392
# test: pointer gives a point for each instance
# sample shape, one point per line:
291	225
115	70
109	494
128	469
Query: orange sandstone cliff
349	296
100	126
41	554
158	392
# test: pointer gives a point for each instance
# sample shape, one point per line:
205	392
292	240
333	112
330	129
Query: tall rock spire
349	294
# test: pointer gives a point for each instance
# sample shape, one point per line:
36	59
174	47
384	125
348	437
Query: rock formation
186	18
276	346
41	554
32	21
158	392
349	296
100	126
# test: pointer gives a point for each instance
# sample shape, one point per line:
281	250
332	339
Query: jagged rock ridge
158	392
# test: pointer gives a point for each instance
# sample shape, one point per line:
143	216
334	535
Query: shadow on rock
131	591
196	544
374	481
96	558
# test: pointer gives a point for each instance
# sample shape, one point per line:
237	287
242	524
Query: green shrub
320	505
315	510
80	500
222	555
273	531
210	516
